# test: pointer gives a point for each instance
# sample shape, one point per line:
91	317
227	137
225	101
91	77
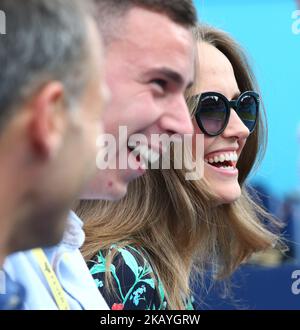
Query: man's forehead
143	26
167	48
168	53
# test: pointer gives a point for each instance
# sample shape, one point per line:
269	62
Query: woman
144	250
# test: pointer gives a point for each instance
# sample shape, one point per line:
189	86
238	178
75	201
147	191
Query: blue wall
264	28
254	288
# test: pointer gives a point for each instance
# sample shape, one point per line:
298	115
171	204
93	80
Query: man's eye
160	82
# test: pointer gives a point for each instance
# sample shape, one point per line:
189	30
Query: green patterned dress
135	283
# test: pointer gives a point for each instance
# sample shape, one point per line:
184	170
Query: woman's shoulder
134	278
123	256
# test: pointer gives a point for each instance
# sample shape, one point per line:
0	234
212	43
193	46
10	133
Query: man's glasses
213	111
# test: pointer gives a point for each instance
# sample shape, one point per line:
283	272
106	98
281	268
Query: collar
74	235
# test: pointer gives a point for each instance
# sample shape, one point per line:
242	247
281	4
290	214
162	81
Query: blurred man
50	116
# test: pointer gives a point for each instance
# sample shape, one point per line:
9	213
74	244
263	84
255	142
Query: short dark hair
45	40
182	12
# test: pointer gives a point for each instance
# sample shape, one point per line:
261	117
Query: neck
12	211
2	258
5	231
15	178
11	196
7	220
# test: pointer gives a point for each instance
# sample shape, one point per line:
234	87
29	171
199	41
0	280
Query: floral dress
135	283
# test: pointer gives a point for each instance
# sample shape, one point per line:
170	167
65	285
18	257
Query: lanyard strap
54	285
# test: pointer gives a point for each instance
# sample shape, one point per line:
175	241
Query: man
51	105
149	64
147	70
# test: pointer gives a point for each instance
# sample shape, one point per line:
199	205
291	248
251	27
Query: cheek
111	118
208	144
208	141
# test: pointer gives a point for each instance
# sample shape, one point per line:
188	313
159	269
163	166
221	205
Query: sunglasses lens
247	111
211	113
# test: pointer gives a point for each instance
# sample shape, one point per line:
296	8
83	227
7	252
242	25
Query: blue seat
255	288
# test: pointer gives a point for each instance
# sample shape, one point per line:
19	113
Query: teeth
148	155
231	156
222	158
154	156
228	168
144	153
131	145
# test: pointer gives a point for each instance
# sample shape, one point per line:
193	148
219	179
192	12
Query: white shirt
69	267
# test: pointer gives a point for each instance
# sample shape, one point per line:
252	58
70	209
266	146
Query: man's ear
47	120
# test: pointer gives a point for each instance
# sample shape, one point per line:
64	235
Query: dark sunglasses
213	111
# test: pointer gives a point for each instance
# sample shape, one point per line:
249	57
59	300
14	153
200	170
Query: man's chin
110	185
116	192
113	192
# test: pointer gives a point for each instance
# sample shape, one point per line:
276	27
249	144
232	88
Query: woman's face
216	75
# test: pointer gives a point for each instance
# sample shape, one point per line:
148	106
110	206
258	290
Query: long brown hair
176	221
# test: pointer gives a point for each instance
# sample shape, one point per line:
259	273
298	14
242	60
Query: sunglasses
213	111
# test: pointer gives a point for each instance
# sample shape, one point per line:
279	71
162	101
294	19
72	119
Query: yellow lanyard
54	285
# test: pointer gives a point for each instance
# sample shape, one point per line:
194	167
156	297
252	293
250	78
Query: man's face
86	122
64	176
148	68
88	118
